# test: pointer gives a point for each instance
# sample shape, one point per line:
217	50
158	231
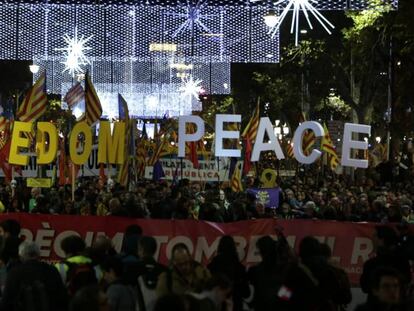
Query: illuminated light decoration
306	6
125	31
163	47
352	4
271	19
191	87
182	66
34	68
194	18
131	79
74	53
141	105
139	75
78	110
164	100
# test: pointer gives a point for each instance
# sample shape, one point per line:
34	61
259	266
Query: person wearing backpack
76	270
121	297
148	272
129	254
33	285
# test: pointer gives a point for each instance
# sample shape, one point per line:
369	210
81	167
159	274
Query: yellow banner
39	182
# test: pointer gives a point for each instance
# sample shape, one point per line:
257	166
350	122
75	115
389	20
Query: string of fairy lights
148	49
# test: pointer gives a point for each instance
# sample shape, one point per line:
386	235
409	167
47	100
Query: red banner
351	243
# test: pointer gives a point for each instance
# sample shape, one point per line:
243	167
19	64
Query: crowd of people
97	278
307	197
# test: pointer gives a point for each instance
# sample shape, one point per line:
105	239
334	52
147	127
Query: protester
121	297
33	285
329	198
76	270
216	295
171	302
385	289
300	282
9	245
147	273
90	298
184	275
281	281
100	251
388	254
267	276
226	263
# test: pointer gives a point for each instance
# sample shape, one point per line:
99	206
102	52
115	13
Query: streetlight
34	68
271	19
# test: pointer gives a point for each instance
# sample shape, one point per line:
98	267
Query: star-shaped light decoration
306	6
194	18
191	87
74	53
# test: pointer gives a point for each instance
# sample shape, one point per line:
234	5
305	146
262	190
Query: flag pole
73	181
134	150
218	169
12	177
181	168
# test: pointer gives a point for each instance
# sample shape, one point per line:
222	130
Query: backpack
147	284
79	275
32	296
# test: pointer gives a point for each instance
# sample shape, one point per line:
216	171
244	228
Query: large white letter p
183	137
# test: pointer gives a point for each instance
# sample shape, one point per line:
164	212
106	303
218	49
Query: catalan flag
102	175
142	152
250	130
35	101
193	156
378	154
74	95
123	173
141	158
235	145
329	148
5	147
333	162
158	151
309	138
93	108
123	111
66	164
289	150
202	150
236	183
308	141
4	160
249	136
6	124
4	131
